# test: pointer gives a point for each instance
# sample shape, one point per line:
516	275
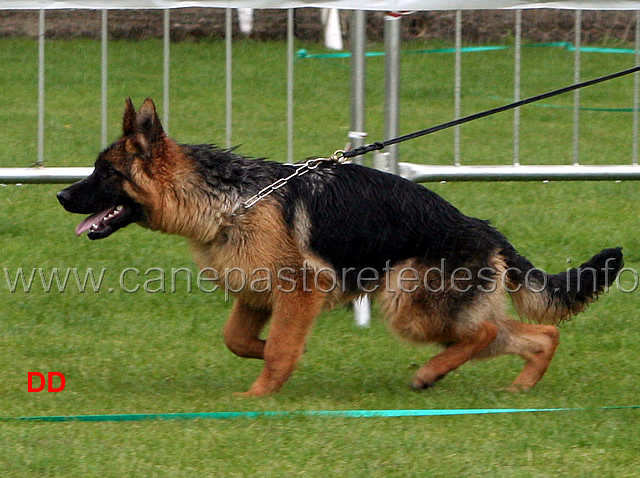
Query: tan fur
302	228
537	307
259	242
529	303
481	330
242	330
256	242
423	316
169	191
291	321
419	316
455	355
318	269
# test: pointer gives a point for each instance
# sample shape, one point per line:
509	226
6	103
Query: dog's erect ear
147	126
129	118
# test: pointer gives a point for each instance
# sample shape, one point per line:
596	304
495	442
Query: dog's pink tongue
91	220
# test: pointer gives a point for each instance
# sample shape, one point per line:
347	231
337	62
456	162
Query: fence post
357	134
290	83
636	94
576	93
41	78
229	80
166	68
457	88
392	84
516	88
104	73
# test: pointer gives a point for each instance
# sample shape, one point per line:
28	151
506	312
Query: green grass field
163	352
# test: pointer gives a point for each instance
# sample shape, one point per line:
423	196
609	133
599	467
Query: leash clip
338	157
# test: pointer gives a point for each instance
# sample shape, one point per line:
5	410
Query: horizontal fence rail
422	173
43	175
418	173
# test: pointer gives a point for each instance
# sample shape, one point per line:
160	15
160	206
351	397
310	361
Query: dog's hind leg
291	320
242	330
455	355
536	344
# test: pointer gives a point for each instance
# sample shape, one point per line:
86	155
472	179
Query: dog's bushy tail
554	298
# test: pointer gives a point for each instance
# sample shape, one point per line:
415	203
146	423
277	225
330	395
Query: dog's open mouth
104	223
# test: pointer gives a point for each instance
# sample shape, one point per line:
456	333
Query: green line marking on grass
135	417
304	54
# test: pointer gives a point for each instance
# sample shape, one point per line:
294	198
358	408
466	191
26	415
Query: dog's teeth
119	208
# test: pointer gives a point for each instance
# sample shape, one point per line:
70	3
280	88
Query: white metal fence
357	135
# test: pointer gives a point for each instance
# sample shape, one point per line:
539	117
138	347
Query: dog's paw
420	386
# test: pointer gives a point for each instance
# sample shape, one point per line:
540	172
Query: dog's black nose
63	197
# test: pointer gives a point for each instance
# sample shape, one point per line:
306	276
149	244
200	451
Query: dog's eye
119	173
107	169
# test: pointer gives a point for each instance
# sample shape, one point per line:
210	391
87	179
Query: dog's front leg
292	317
242	331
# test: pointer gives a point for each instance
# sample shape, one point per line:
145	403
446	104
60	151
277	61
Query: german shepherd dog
330	235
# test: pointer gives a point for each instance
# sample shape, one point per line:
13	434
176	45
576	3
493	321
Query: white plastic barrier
384	5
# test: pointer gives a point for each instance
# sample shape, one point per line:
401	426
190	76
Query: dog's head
126	184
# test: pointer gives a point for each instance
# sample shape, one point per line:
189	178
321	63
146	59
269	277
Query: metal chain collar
302	168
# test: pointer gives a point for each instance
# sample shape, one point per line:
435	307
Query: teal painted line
586	49
591	49
302	54
561	44
136	417
466	49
